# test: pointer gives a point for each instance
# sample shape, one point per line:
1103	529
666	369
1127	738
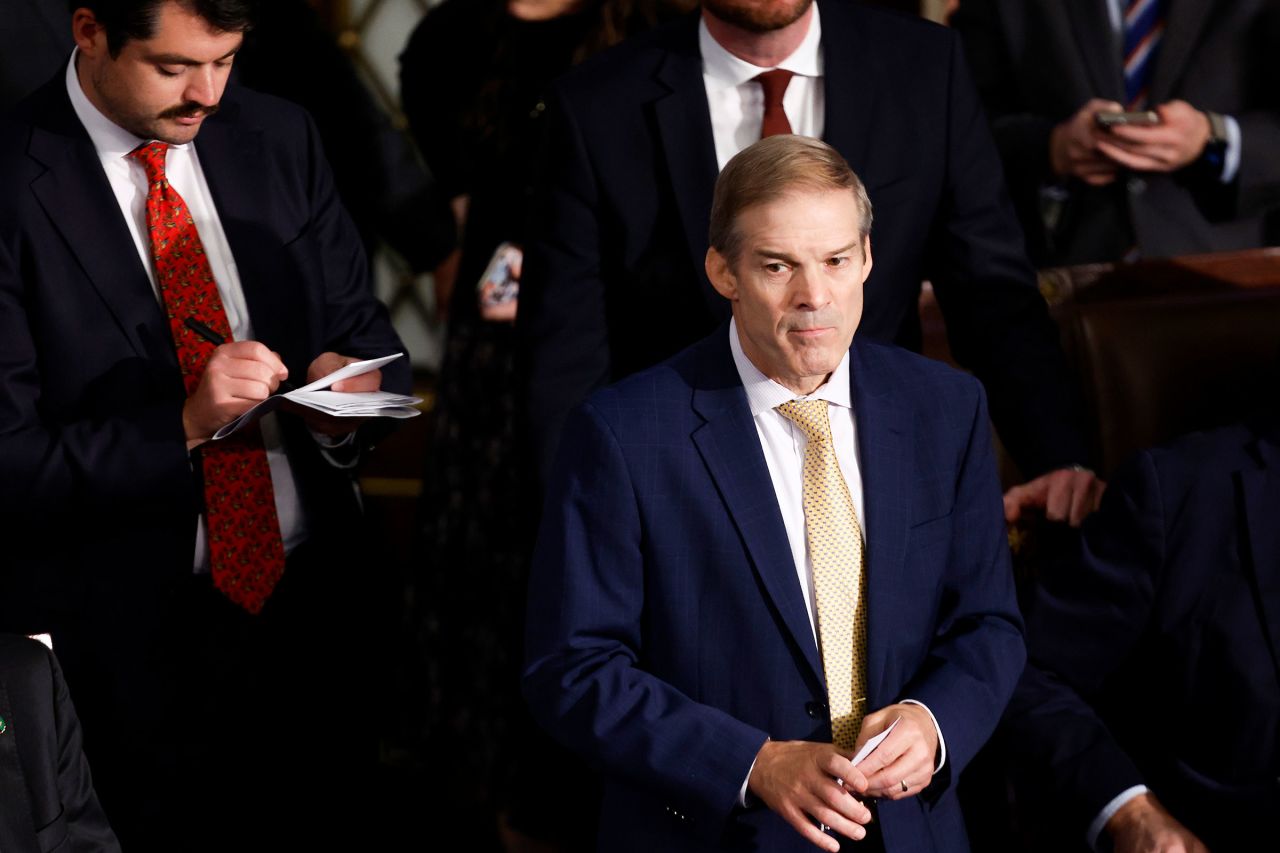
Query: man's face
796	286
758	16
162	87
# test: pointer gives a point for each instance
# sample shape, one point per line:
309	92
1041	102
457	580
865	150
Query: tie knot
774	84
151	155
810	416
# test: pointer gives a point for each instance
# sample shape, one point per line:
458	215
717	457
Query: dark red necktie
246	552
774	84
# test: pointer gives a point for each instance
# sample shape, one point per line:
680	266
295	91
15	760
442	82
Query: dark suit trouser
262	731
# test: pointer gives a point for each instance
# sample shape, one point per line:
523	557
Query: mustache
188	110
798	321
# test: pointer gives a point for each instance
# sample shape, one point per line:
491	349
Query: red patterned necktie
774	84
246	553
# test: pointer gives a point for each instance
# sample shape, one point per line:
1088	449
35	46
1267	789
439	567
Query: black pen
218	340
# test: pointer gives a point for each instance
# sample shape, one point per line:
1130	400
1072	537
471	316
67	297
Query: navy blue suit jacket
1155	657
667	632
614	281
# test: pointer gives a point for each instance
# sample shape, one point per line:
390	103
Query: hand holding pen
239	375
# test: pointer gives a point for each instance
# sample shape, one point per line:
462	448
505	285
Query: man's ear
866	258
89	35
721	275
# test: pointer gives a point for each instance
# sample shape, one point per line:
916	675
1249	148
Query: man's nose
204	88
808	289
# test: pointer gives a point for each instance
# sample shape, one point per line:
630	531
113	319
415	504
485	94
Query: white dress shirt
182	168
784	445
737	103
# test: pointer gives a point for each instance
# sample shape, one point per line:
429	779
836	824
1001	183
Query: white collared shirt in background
737	103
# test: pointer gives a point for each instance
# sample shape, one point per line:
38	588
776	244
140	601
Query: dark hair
125	20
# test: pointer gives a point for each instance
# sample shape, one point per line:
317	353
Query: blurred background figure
34	43
1149	715
473	78
383	184
45	785
1202	176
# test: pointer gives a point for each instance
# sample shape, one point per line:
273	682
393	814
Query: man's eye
838	261
168	70
775	267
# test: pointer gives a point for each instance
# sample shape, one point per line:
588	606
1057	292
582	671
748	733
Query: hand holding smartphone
499	286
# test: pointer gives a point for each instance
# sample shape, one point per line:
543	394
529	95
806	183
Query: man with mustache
613	280
773	547
171	251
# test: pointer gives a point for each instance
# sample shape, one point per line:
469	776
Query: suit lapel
75	194
1099	45
1260	496
1184	21
684	126
730	447
235	166
884	444
850	83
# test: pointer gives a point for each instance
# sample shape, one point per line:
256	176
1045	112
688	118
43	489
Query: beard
762	16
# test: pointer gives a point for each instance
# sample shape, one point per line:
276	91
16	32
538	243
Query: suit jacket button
816	710
1137	186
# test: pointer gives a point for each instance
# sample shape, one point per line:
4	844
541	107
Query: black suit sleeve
46	774
1086	620
87	825
562	323
130	451
997	321
1021	131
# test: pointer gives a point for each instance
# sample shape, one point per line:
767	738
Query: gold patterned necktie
839	571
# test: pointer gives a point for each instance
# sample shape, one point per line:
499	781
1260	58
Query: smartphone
1112	118
498	285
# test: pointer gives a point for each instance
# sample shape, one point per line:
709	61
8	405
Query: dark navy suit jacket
1155	657
614	281
667	632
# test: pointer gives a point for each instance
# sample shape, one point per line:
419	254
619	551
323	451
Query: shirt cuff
328	443
1109	811
942	744
742	792
1231	162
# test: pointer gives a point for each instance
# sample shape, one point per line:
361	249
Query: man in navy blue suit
681	630
193	705
1149	715
613	278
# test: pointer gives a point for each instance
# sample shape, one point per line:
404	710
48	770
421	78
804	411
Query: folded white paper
870	746
341	404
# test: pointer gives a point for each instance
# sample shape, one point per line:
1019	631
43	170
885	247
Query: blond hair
772	168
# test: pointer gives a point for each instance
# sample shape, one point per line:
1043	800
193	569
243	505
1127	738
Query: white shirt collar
109	139
763	394
724	70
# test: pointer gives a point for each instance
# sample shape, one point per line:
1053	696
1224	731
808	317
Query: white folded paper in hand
341	404
870	746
